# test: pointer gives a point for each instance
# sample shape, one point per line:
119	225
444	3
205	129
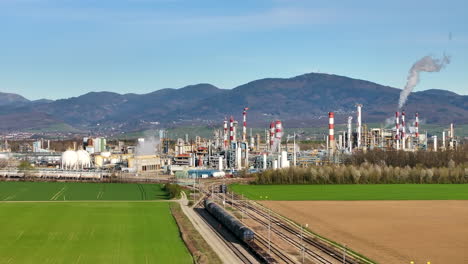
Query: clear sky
62	48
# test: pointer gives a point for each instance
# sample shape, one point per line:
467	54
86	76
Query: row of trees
172	189
407	158
365	173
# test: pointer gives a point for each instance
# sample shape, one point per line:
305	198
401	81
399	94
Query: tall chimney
278	133
403	129
225	135
435	143
331	131
231	129
452	131
359	125
350	143
416	126
244	125
272	135
397	130
443	140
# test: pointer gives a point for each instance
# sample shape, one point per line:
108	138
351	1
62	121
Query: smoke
426	64
148	146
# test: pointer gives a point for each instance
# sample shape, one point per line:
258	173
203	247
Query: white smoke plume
426	64
148	147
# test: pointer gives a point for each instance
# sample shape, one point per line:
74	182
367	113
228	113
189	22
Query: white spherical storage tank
69	160
84	160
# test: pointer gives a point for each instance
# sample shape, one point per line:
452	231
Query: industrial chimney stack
331	131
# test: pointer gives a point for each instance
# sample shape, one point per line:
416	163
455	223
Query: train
230	222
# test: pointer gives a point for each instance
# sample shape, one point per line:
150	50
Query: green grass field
89	232
72	191
354	192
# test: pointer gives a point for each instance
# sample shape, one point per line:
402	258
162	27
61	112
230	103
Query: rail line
238	252
293	233
273	249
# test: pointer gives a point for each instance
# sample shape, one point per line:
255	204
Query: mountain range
301	101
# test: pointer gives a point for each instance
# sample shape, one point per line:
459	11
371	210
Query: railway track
274	250
290	234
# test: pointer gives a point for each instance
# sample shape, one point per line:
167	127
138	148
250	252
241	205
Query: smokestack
359	125
331	131
403	130
244	125
231	129
435	143
350	143
225	135
272	135
443	140
452	131
397	130
416	126
278	133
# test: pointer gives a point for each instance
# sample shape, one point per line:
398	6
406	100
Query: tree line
408	158
365	173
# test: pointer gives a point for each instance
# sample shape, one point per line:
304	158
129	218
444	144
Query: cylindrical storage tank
220	163
284	159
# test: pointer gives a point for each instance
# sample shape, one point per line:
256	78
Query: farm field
73	191
89	232
388	231
350	192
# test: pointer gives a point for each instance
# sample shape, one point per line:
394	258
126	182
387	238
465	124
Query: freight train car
230	222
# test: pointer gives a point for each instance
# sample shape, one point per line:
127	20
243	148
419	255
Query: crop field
388	231
72	191
89	232
352	192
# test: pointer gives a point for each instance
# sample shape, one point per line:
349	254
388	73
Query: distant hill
11	99
301	101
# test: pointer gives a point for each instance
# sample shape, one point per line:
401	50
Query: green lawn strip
89	232
197	245
77	191
354	192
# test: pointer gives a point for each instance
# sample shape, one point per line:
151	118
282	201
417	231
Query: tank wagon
230	222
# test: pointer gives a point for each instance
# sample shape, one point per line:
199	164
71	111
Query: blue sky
63	48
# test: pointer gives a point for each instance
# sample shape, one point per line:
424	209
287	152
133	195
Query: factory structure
232	149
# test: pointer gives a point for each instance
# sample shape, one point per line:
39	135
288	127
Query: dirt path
223	251
388	231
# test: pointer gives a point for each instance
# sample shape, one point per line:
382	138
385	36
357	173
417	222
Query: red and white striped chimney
416	126
272	133
231	129
397	129
244	125
331	129
225	135
403	129
278	129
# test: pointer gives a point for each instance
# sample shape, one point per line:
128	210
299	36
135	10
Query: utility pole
344	254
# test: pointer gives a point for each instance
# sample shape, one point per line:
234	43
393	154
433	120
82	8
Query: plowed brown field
388	231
